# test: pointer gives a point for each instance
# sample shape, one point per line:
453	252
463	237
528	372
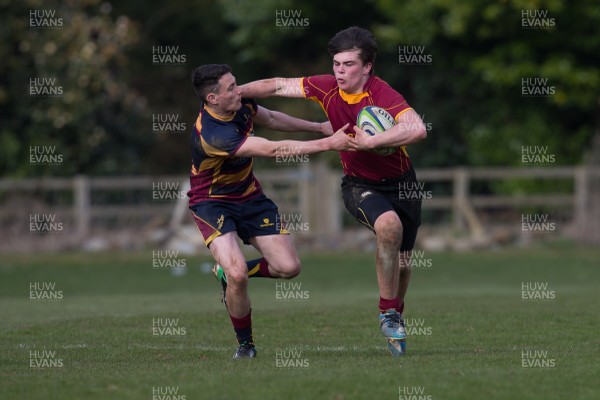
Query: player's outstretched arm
409	129
282	87
279	121
261	147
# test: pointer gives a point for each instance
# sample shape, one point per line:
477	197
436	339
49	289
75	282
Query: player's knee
290	268
388	229
295	268
238	277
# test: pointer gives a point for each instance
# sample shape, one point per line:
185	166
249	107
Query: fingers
351	143
359	131
362	138
343	128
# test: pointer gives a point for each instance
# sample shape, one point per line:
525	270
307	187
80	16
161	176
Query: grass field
474	337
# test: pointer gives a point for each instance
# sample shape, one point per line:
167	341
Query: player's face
229	97
350	72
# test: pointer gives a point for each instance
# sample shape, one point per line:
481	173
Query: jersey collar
212	114
357	97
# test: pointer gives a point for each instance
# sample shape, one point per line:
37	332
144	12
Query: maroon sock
258	268
401	308
242	327
386	304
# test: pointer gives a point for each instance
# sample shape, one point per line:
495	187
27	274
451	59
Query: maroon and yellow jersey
217	174
342	108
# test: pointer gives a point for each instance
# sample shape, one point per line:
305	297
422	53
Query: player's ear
211	98
367	68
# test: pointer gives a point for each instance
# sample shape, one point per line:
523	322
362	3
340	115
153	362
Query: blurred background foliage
470	94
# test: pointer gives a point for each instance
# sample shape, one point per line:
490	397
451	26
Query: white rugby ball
375	120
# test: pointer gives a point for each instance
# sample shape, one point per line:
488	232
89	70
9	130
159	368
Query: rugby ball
375	120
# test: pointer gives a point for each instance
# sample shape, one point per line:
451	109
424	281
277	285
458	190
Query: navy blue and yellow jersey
217	174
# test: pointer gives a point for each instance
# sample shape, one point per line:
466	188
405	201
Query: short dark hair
355	38
205	78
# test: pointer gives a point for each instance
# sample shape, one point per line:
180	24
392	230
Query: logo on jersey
266	223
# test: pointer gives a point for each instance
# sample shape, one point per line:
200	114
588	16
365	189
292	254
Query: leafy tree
473	89
93	120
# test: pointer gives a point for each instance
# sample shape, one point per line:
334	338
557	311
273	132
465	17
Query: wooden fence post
304	191
82	206
581	202
460	195
327	218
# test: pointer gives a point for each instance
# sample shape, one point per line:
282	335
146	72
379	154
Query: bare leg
226	251
280	253
388	229
405	274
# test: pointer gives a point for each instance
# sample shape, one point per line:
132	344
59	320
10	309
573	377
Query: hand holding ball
375	120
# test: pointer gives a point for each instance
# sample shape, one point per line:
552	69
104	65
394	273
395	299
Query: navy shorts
367	200
258	216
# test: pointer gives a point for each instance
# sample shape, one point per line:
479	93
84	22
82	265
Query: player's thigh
226	251
259	217
279	251
408	207
214	219
367	204
410	215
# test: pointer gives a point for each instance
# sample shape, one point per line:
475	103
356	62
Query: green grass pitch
473	334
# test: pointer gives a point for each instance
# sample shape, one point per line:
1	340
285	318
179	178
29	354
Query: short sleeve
224	138
392	101
223	141
251	105
318	86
